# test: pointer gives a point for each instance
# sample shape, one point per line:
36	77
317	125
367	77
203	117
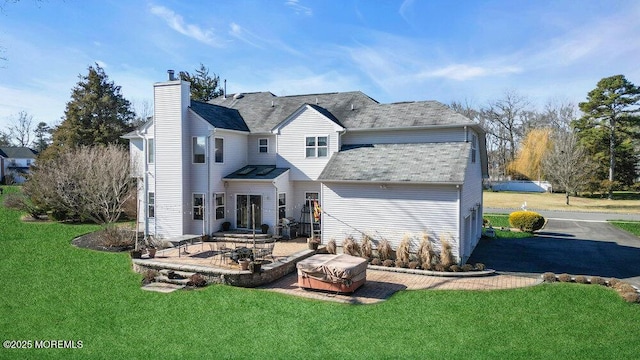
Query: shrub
632	297
403	249
526	220
564	278
480	266
149	276
455	268
597	280
549	277
197	280
367	247
20	202
331	246
112	237
623	287
613	282
439	267
446	257
400	264
467	267
351	247
425	252
413	265
388	263
376	261
580	279
384	250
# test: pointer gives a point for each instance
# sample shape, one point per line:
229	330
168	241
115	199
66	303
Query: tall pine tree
96	114
611	118
203	86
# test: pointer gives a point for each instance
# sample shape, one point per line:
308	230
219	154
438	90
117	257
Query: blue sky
469	51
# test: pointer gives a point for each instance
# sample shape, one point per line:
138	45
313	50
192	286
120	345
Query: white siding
390	213
170	107
283	185
471	206
291	144
403	136
258	158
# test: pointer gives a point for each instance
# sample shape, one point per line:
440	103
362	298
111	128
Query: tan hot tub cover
341	273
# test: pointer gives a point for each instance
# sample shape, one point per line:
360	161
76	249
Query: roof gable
304	108
438	163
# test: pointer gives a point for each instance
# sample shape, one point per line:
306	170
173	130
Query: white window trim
150	205
193	153
223	206
316	147
282	206
474	148
193	206
265	146
214	150
151	149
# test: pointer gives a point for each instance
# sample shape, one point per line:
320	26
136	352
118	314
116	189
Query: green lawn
53	291
630	226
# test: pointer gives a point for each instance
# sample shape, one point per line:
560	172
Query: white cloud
463	72
177	23
298	8
243	35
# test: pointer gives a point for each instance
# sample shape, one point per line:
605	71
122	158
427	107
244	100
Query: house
385	170
15	163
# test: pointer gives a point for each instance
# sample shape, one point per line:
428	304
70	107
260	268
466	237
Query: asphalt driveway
575	247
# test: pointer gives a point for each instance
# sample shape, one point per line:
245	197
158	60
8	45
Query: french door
244	215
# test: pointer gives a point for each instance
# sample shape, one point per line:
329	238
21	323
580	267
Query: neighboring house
15	163
379	169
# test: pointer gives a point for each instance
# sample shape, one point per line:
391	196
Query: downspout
145	183
459	222
466	134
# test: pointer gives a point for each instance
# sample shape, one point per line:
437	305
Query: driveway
575	247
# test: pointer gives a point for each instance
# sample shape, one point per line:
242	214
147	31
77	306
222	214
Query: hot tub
339	273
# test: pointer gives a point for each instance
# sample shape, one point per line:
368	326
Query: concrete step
167	280
162	287
182	274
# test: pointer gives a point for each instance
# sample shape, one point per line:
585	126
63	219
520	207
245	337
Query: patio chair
264	250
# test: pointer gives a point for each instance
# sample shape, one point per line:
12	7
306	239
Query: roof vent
316	101
171	75
272	103
352	107
238	96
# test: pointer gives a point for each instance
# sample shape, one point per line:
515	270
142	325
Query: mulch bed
95	241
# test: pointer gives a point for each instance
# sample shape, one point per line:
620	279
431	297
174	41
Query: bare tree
144	112
20	129
567	164
90	182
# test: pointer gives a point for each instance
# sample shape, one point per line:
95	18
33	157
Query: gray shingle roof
14	152
352	110
256	172
219	116
416	163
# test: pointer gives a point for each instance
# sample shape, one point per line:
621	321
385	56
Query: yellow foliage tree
528	162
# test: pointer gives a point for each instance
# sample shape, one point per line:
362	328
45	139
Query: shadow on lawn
558	254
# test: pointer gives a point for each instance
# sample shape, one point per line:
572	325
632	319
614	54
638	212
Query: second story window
263	146
316	146
199	149
151	151
219	150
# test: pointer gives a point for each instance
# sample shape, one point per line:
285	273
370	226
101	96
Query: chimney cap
171	75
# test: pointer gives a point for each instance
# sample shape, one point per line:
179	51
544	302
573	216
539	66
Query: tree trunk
567	197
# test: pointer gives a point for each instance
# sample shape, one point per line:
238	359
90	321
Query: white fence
521	185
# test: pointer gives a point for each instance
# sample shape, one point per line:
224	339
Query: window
151	151
263	146
282	206
219	150
28	162
474	147
311	197
198	206
219	202
317	146
151	203
199	149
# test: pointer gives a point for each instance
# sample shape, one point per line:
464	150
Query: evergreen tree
203	86
611	118
96	114
42	133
